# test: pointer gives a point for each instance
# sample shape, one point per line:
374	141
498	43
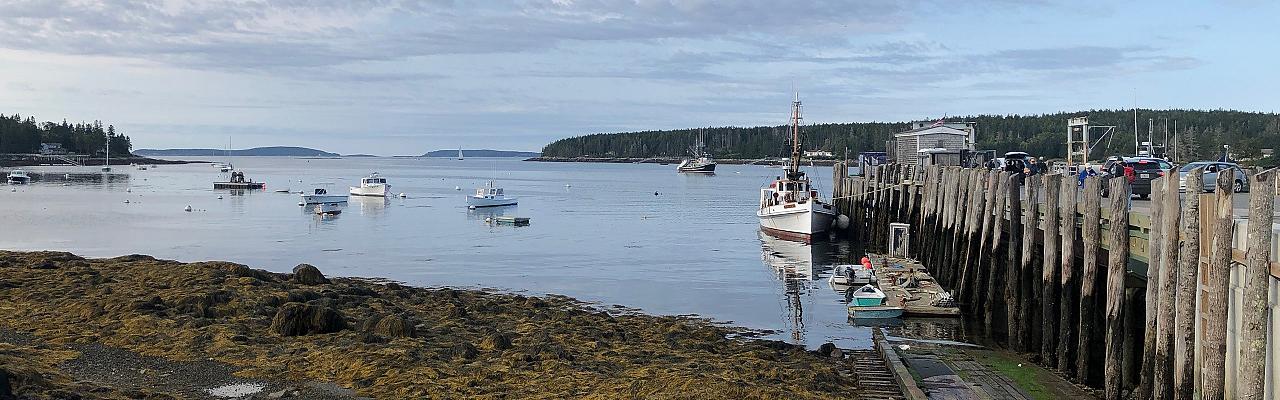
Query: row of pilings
1104	294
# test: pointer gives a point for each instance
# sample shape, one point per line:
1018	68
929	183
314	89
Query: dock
240	185
919	301
1091	287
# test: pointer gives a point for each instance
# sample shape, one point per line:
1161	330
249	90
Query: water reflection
484	214
371	206
79	178
799	267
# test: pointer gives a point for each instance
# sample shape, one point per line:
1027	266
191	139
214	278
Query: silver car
1211	170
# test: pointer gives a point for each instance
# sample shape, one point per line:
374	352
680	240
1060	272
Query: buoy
568	185
300	204
130	190
219	197
402	195
126	201
188	209
655	193
457	188
13	190
842	221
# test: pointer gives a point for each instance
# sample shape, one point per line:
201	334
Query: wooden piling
1257	277
972	217
1117	260
1067	323
1162	367
1188	276
1089	232
976	299
995	290
1013	265
1214	347
1154	243
1049	272
1030	272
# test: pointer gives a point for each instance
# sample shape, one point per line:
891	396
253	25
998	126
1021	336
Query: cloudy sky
402	77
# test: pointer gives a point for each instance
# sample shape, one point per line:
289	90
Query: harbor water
637	235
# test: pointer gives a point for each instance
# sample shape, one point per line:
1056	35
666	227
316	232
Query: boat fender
842	221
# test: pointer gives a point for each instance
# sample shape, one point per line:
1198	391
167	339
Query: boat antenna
793	172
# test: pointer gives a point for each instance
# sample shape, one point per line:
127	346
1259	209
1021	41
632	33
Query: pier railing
1181	300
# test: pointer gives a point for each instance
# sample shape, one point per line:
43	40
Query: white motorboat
853	275
372	185
789	206
321	195
489	196
18	177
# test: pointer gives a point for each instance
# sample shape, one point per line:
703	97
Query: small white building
934	137
52	148
818	153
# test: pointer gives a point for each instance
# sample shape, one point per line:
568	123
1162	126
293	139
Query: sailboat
106	162
701	161
459	153
789	206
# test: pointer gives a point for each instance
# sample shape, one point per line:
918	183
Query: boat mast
793	170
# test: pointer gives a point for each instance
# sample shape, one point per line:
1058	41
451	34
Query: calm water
598	232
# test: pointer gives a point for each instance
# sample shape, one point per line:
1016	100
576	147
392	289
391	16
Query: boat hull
694	167
372	191
875	312
323	198
798	222
473	201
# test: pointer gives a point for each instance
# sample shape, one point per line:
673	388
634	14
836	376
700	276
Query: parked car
1211	170
1145	169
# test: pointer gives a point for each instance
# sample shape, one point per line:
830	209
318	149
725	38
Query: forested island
1200	135
23	135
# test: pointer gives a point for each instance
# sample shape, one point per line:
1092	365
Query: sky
400	77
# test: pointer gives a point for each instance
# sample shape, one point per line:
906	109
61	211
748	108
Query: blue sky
403	77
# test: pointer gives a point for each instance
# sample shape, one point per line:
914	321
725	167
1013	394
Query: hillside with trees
23	135
1200	135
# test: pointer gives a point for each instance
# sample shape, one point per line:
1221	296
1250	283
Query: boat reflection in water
800	267
370	206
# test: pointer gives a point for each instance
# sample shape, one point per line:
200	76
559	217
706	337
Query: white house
932	137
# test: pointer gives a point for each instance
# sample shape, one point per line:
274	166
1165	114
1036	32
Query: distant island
274	151
481	153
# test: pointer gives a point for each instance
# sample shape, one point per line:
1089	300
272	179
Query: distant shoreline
37	160
671	160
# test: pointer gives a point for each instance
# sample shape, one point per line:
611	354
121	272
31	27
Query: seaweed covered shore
138	327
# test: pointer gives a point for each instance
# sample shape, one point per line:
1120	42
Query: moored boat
867	295
789	206
875	312
373	185
490	196
853	275
321	195
18	177
238	181
701	161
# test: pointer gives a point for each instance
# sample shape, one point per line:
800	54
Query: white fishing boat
18	177
489	195
789	206
321	195
372	185
700	161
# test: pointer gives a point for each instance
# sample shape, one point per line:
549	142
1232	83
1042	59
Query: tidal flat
140	327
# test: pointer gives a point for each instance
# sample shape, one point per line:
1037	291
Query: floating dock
517	221
920	301
240	185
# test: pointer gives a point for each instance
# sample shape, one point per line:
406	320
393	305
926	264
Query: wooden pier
1102	294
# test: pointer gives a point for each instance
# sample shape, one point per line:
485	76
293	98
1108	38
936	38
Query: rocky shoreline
35	160
168	329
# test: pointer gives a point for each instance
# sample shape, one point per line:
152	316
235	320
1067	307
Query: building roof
932	130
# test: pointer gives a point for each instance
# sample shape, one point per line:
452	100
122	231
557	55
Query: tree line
20	134
1200	134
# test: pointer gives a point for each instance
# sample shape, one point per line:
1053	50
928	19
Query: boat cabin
787	192
320	191
373	180
489	192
